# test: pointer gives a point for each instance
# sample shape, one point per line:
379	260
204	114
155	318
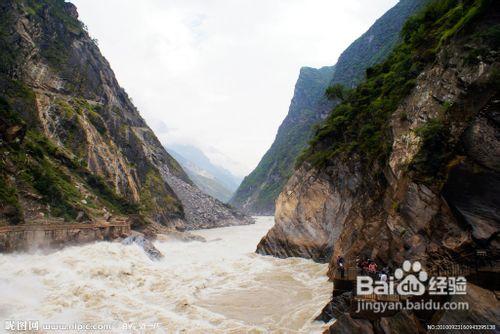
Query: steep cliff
309	106
72	143
407	166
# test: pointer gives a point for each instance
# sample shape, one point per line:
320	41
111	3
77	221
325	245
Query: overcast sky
219	74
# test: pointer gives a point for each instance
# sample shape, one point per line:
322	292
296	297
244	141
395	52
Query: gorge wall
72	143
406	167
258	192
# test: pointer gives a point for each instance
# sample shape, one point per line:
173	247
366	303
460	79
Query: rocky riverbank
402	174
482	302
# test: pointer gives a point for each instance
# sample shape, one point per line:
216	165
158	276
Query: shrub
361	122
434	153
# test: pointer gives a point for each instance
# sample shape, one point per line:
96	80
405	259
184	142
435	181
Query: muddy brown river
218	286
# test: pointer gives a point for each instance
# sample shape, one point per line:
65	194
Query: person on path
340	265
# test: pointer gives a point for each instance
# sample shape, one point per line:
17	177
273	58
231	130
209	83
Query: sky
220	74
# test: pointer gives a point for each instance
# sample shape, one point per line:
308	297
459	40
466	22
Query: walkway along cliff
40	236
407	166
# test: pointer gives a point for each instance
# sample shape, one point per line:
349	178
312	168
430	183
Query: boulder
402	322
147	245
336	307
484	308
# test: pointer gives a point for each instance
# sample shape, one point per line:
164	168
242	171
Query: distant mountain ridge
212	179
259	190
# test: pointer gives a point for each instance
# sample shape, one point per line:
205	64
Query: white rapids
220	286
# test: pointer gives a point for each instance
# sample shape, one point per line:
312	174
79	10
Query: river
218	286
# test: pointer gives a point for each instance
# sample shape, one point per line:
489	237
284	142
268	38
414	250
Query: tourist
340	265
364	267
372	269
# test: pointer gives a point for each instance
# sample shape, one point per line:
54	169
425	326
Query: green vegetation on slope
44	155
55	49
259	190
45	169
360	123
375	45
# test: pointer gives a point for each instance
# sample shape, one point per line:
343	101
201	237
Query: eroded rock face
345	324
72	99
338	306
401	322
484	308
345	209
310	213
473	186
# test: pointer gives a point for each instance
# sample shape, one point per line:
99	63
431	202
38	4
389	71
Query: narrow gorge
385	168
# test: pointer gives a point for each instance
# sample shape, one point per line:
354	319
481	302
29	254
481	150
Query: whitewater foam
219	286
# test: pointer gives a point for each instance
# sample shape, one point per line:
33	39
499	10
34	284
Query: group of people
366	267
370	268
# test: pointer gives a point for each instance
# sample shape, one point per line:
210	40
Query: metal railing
349	274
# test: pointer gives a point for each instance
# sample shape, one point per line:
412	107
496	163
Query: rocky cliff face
73	145
310	213
406	168
309	106
426	185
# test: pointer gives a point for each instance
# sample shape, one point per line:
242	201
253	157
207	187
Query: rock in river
147	245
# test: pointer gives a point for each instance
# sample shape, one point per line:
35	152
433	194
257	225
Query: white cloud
220	74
